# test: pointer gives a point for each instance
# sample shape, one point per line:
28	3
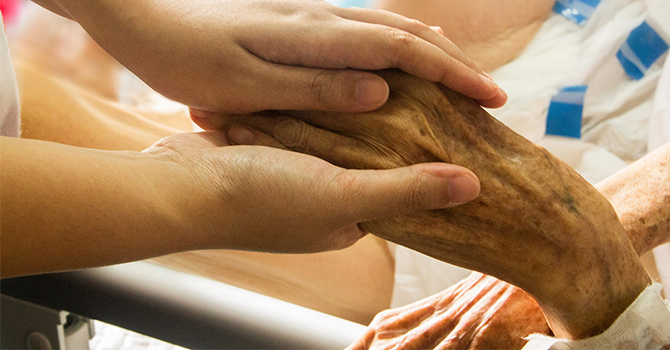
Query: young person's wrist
193	214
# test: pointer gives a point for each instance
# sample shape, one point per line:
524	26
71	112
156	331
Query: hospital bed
195	312
181	309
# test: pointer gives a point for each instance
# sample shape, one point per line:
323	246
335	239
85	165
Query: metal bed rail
183	309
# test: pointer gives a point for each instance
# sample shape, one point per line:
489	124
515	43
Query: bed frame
183	309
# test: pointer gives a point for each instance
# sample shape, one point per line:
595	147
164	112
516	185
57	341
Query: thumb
384	193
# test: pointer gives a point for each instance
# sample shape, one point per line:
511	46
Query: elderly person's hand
252	55
537	224
480	312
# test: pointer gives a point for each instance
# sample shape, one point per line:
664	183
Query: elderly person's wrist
616	278
587	299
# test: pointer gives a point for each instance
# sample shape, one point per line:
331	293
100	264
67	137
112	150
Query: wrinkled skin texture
537	224
480	312
640	194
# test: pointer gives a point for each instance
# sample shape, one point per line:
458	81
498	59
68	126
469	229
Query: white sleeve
644	325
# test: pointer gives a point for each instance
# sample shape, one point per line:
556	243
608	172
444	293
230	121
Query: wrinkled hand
252	55
480	312
537	224
267	199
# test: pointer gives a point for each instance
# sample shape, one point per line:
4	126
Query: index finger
409	25
419	50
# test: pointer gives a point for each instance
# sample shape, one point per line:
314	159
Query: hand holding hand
537	224
268	199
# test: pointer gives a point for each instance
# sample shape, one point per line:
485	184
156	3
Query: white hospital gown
644	325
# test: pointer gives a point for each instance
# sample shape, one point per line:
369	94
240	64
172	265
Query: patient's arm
537	224
640	194
490	33
482	312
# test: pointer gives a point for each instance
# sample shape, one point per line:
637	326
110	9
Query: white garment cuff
644	325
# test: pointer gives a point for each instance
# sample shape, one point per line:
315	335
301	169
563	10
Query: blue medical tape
579	11
642	48
565	112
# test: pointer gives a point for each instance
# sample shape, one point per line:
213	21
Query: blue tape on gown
565	112
576	10
642	48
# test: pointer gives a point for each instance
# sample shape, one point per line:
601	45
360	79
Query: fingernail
489	80
437	29
463	189
371	91
202	114
240	135
502	93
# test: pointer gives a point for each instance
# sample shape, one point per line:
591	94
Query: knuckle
322	87
382	316
416	26
347	182
402	40
292	133
402	45
417	195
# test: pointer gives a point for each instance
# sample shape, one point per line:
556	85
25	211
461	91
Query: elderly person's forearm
536	224
640	194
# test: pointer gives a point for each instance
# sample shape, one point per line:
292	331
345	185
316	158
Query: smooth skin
252	55
353	283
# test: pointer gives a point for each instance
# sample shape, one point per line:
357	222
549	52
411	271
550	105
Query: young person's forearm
67	208
640	195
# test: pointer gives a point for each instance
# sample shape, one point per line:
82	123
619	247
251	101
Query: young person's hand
70	208
269	199
252	55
